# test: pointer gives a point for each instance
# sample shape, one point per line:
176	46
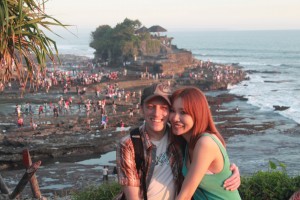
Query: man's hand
234	181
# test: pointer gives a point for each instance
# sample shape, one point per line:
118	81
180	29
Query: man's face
156	113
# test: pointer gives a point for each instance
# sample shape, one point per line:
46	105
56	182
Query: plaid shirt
127	172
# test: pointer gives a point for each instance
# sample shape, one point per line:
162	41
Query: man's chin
157	128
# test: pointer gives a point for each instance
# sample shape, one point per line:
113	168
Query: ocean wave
76	49
221	55
291	113
266	97
245	63
284	65
281	81
273	65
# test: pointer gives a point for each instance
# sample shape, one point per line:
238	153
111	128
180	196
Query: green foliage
122	42
23	41
112	43
273	165
104	192
152	46
271	185
102	41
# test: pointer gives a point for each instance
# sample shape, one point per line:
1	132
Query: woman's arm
205	152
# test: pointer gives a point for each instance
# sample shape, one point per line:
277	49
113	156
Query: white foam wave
253	63
292	113
79	50
266	95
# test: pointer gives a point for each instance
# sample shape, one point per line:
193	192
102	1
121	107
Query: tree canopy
24	46
118	42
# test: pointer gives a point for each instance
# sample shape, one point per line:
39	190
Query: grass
104	192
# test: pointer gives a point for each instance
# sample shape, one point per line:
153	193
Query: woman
206	163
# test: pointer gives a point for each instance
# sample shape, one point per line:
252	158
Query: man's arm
234	181
127	174
131	192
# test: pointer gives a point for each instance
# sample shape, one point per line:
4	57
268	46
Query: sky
180	15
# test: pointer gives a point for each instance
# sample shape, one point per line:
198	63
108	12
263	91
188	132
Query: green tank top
211	186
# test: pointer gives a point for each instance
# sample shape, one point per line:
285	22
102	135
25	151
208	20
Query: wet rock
280	108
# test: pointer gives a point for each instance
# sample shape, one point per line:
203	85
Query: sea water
272	56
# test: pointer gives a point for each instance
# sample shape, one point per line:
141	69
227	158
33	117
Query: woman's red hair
195	104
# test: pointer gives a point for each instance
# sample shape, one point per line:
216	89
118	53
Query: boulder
280	108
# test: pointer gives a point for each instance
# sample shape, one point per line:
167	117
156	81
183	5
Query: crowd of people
120	102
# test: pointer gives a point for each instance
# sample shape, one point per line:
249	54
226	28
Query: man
55	111
163	157
105	173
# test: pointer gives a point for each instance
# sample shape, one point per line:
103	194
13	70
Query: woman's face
182	123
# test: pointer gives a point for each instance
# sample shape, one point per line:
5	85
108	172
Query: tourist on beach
88	123
137	108
33	125
114	108
104	120
88	107
237	109
27	108
130	110
18	110
105	173
41	109
30	109
206	164
115	173
163	155
55	111
20	122
122	126
1	87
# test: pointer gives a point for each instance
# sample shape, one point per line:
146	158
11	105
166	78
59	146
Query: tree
24	46
102	42
118	42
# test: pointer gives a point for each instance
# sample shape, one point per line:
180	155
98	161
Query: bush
273	184
103	192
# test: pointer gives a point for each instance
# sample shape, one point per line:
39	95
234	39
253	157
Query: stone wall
177	62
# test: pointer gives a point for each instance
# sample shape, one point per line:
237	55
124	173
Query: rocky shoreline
63	174
68	135
68	138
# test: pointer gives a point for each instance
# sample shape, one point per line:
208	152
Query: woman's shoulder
208	141
209	137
